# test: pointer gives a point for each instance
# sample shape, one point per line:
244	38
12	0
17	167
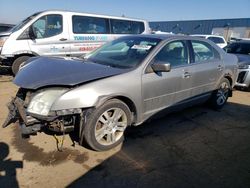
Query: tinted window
238	48
90	25
47	26
126	27
4	28
174	53
125	52
203	51
216	40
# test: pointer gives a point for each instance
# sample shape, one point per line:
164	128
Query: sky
13	11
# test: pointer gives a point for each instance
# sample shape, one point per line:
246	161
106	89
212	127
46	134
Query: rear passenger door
207	67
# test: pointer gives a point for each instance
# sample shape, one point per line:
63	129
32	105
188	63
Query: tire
16	64
101	130
220	96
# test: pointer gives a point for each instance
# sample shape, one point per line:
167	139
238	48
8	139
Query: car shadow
197	147
8	168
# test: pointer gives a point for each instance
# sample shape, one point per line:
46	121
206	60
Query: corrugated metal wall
198	26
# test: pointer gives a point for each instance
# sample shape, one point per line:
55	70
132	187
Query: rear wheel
16	64
220	96
104	127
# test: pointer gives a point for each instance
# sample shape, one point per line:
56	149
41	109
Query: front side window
47	26
125	52
174	53
126	27
203	51
89	25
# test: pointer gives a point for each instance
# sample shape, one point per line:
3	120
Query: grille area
242	76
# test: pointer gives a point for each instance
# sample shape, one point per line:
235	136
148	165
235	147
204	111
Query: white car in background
219	40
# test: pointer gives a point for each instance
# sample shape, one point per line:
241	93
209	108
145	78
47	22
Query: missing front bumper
29	125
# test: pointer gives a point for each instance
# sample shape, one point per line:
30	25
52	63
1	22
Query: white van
63	33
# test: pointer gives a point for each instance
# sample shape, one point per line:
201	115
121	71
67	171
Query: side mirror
158	67
32	35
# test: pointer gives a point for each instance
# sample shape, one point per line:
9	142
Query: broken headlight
41	103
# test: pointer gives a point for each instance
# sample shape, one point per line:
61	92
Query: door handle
220	68
63	39
186	75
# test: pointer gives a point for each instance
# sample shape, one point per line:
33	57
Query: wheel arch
131	105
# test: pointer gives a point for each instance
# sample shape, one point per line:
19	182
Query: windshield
22	23
125	52
238	48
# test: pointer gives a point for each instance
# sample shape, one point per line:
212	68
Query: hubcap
222	93
110	126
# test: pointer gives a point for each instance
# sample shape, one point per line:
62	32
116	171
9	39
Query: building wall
230	27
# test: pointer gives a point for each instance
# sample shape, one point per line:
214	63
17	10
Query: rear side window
90	25
216	40
48	26
126	27
203	51
174	53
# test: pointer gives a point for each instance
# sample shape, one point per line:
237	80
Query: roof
94	15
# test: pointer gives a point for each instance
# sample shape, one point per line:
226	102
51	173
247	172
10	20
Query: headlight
2	40
244	66
41	103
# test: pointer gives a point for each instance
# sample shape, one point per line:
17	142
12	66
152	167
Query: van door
50	36
88	33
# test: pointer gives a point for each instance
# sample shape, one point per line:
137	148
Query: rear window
216	40
90	25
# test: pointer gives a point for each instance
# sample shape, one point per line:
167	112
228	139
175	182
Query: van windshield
23	23
125	52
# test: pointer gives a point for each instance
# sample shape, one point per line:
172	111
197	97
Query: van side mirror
32	35
161	67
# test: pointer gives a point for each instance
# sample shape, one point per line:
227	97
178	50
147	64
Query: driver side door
50	36
163	89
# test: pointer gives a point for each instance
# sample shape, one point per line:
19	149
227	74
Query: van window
90	25
48	26
126	27
203	51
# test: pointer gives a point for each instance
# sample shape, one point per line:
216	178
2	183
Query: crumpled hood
44	71
243	59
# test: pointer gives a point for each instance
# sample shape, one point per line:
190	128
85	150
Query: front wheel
220	96
104	127
18	61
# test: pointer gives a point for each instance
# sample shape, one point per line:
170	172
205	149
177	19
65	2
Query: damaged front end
30	123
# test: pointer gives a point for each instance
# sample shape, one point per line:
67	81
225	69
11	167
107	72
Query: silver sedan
125	82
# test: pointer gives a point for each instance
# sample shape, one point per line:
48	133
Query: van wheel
220	96
18	61
104	127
